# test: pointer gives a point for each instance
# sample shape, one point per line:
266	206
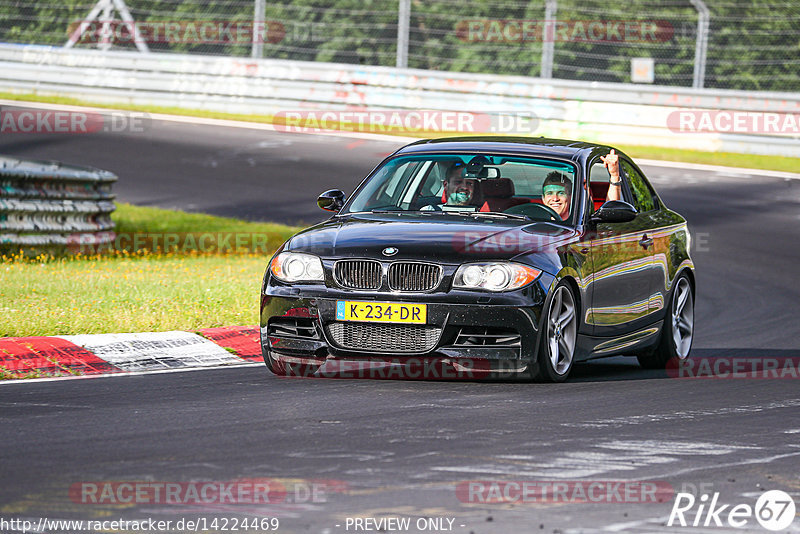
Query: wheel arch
568	280
691	276
576	291
571	278
572	282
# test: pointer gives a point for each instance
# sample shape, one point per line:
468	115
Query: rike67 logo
774	510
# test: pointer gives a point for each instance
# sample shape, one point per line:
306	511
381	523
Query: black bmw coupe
482	257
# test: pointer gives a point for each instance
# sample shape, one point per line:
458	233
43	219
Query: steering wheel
535	211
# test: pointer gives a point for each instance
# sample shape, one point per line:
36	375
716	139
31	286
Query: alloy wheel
561	330
682	318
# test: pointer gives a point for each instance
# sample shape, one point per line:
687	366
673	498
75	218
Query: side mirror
332	200
614	211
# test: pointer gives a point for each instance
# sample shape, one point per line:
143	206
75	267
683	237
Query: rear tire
678	328
558	337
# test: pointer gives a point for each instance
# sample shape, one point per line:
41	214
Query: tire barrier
46	206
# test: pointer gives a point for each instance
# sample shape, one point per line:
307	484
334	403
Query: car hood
435	237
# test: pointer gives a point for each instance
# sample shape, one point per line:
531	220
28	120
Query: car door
622	266
652	214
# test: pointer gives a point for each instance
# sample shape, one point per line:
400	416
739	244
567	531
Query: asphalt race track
385	448
233	172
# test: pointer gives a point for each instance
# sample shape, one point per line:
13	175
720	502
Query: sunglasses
556	193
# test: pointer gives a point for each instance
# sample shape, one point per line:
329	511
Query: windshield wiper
461	213
500	214
386	209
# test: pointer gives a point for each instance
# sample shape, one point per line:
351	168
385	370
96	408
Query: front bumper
296	334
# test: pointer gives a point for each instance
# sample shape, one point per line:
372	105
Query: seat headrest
599	189
498	188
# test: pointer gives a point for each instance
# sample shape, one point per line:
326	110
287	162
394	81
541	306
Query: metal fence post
548	38
259	26
107	7
105	29
701	45
403	16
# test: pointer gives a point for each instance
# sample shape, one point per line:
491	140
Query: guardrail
604	112
45	205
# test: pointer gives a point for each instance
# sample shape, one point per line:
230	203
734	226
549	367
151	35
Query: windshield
471	185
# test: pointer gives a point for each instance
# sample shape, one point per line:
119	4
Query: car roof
527	146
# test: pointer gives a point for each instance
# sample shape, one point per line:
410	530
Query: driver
459	191
556	193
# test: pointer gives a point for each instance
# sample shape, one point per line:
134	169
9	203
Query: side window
391	190
400	176
600	181
599	173
643	197
433	182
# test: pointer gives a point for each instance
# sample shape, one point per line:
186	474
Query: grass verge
727	159
141	293
143	290
154	229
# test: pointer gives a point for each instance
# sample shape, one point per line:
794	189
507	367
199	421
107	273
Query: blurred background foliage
752	46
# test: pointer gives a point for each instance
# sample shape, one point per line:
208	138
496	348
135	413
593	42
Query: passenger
611	162
557	188
557	193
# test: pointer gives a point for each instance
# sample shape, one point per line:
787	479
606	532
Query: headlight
297	267
495	276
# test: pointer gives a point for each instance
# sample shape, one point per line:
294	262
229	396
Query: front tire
271	364
559	335
678	328
290	369
279	367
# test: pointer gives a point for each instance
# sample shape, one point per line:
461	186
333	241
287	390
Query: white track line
128	373
206	121
150	351
717	168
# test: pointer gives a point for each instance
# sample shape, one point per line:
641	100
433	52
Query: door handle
646	241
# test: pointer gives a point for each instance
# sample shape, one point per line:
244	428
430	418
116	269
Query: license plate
381	312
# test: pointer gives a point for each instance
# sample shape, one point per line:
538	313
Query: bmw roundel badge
389	251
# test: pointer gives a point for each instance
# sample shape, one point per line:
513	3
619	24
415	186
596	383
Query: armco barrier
604	112
45	204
